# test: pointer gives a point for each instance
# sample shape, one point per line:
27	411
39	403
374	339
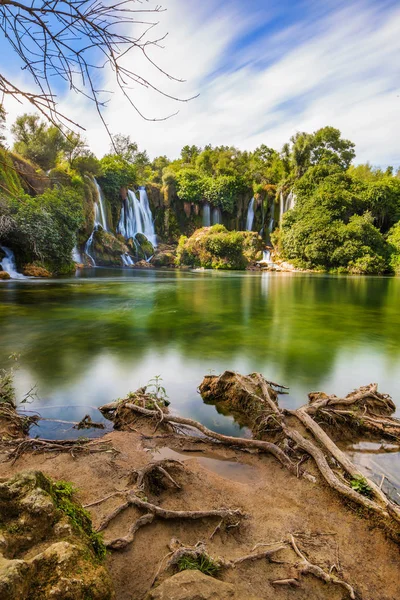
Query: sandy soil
276	503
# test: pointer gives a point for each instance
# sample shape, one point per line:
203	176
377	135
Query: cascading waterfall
216	216
286	203
100	220
8	264
127	260
76	255
136	217
250	215
266	256
100	214
206	215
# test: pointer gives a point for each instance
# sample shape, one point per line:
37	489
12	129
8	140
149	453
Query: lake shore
274	513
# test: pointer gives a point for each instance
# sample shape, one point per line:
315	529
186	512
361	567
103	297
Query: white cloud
339	70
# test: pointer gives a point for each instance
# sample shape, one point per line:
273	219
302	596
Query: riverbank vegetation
308	200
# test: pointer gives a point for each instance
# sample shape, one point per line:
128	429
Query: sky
262	70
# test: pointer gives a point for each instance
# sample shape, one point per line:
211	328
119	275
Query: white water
8	264
76	255
286	203
271	225
88	246
127	260
136	217
216	216
206	215
100	214
266	256
100	220
250	215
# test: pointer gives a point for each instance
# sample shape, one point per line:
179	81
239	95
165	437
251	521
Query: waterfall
290	200
8	264
127	260
266	256
250	215
88	246
271	225
206	215
76	255
100	220
136	217
216	216
100	214
286	203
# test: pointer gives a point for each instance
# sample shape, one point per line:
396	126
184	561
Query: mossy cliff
47	546
217	248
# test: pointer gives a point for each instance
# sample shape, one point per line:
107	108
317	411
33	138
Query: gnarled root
151	476
153	511
14	449
365	409
303	567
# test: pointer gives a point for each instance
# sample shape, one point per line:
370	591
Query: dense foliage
45	227
345	218
339	221
218	248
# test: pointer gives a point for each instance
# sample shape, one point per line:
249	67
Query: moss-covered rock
217	248
164	256
107	249
47	546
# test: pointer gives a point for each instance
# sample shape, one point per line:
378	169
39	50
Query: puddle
380	462
235	471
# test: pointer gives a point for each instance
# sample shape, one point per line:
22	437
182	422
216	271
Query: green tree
37	141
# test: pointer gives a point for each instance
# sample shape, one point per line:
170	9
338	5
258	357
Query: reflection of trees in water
298	322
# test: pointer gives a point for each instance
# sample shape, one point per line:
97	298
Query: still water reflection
88	340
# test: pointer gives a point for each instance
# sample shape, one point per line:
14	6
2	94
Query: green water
88	340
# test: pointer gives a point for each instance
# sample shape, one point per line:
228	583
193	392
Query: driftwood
257	398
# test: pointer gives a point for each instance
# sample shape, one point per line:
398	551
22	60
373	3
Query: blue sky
264	70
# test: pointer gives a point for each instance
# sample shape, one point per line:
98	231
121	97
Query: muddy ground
329	531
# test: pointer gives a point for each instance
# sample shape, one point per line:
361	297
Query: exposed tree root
303	567
14	449
365	409
153	511
13	424
256	398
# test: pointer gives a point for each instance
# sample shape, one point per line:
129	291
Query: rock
192	585
4	275
107	249
32	270
143	264
164	256
47	547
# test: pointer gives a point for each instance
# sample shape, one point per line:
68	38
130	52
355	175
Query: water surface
87	340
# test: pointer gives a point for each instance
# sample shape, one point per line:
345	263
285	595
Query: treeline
345	217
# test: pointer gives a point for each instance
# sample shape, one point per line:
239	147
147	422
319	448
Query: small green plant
158	391
203	563
360	485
